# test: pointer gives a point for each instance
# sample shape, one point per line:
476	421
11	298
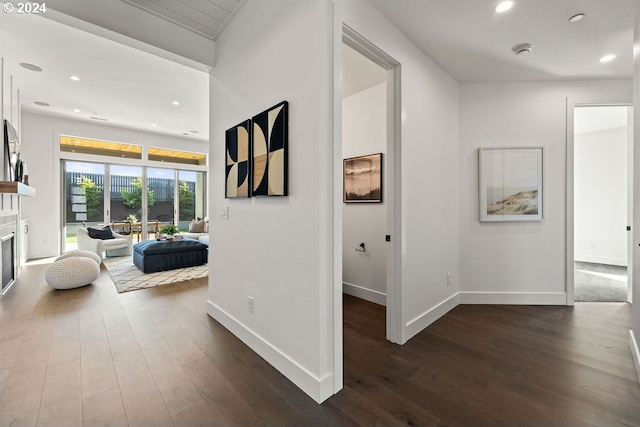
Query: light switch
224	213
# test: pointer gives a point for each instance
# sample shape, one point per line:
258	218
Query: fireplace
8	250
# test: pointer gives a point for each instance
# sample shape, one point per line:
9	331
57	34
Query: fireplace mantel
12	187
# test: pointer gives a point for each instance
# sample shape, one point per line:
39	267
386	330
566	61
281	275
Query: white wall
276	249
519	262
364	131
429	170
600	196
40	151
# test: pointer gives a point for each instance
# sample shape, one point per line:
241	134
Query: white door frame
570	238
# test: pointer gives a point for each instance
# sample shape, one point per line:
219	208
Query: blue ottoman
152	256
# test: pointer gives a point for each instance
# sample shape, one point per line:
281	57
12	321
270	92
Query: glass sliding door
127	200
83	187
191	192
133	200
160	199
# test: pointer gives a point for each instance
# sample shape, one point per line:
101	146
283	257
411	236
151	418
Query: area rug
600	283
127	277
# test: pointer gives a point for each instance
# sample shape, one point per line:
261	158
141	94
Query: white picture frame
510	184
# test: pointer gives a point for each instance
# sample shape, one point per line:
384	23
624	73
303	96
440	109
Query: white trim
418	324
518	298
319	388
336	198
635	353
596	259
569	239
370	295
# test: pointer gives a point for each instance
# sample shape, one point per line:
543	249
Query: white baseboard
416	325
597	259
319	389
518	298
635	353
364	293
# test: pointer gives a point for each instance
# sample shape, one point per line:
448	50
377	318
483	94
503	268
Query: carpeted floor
127	277
600	282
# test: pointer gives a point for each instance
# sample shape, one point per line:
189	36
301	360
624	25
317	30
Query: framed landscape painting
510	184
362	179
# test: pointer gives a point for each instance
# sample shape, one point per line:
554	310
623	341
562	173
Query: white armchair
120	245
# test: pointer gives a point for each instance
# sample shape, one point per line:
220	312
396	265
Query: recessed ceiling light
175	103
504	6
607	58
30	67
576	18
75	110
154	124
521	49
42	104
74	78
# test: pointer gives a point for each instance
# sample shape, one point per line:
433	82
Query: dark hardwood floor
153	357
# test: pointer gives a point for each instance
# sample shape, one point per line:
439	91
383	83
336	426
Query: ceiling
205	17
358	72
133	88
119	85
473	43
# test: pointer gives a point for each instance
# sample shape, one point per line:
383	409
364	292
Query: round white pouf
72	272
87	254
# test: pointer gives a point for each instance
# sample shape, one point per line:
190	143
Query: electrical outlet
448	279
250	304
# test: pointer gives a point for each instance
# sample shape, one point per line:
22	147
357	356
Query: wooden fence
163	190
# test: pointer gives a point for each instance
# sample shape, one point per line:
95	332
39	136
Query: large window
138	199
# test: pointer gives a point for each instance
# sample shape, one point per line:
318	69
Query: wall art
270	136
510	184
362	179
238	156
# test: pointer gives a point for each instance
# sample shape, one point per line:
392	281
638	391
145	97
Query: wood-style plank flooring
93	357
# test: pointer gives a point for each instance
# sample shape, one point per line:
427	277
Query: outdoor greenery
93	196
133	199
187	200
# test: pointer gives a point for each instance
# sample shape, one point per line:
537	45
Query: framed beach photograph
510	184
362	179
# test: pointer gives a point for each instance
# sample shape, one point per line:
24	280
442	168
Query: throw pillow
196	226
100	233
206	225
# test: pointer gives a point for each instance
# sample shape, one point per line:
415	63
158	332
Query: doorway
382	239
364	146
602	201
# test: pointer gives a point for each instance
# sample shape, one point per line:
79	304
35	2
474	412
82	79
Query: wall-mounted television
10	152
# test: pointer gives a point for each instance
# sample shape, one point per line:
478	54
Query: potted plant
131	218
169	230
